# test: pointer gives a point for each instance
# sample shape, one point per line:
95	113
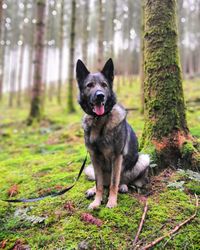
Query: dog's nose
99	95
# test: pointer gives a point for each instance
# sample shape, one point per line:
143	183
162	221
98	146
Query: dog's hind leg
91	192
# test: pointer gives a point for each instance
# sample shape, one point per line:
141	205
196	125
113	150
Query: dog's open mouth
99	109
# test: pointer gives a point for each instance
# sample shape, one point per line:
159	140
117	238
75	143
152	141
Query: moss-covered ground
47	157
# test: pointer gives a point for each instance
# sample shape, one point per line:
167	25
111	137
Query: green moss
193	187
188	149
45	156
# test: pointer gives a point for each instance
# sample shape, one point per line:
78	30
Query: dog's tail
140	170
141	165
89	172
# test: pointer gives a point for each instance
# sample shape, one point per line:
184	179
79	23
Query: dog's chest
103	134
99	136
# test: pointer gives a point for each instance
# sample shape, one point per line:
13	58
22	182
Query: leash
54	194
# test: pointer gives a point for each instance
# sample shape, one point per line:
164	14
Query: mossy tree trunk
166	135
142	58
36	100
70	99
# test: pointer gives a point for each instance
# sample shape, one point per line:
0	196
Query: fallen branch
141	223
156	241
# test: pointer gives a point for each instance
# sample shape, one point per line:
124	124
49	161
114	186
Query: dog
110	141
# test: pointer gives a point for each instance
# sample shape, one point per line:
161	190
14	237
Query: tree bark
85	31
36	101
142	59
1	52
100	34
60	53
166	136
70	99
30	66
21	58
114	7
13	74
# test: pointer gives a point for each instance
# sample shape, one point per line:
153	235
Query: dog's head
96	89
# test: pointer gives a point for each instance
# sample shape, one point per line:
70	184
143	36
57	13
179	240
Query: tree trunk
21	58
47	50
142	59
166	136
114	7
1	51
30	70
36	101
198	65
60	63
30	57
85	31
100	34
70	98
13	74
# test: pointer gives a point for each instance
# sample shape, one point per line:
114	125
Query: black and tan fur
111	142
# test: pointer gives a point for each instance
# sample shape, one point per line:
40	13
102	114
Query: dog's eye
90	85
104	84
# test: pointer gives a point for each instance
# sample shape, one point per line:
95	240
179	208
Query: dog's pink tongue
99	110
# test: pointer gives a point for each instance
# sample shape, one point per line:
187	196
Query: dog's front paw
111	203
90	192
123	188
94	205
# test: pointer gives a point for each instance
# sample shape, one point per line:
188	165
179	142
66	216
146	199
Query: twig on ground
156	241
140	242
141	223
170	238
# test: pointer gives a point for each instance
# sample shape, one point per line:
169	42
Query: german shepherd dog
111	142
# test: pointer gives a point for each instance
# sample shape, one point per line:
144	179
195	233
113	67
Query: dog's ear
81	71
108	70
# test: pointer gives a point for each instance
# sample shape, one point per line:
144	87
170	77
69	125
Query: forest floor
47	157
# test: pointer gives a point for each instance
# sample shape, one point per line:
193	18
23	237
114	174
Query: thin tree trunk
30	60
70	99
114	6
165	136
190	64
30	71
13	74
50	23
85	31
21	59
60	62
36	101
1	17
198	65
100	34
3	54
1	51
